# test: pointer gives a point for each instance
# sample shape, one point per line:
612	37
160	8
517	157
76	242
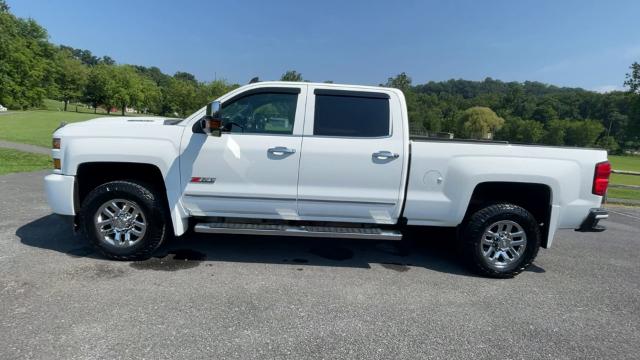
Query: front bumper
60	190
590	223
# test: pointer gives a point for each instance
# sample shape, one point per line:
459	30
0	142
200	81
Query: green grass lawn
55	105
36	127
629	163
18	161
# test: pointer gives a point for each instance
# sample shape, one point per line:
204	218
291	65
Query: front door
251	170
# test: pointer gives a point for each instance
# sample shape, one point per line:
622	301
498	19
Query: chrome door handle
385	155
281	150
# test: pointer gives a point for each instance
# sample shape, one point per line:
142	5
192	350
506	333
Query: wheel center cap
123	221
503	241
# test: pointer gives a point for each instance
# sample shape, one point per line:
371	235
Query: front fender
162	153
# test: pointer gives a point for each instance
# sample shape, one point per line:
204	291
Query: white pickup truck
321	160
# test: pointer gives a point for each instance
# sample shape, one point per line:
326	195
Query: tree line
33	69
529	112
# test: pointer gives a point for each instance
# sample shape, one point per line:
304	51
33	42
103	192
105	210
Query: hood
120	127
116	120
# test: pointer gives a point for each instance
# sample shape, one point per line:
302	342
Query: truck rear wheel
124	220
501	240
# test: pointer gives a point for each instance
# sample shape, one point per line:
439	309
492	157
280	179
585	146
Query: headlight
56	143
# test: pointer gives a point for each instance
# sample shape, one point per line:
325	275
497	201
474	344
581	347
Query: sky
587	43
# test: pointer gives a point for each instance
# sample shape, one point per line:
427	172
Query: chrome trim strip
240	197
349	202
290	199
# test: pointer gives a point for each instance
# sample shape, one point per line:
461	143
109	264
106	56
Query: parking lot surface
240	297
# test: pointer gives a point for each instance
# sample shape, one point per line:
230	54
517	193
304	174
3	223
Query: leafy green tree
556	131
633	78
126	88
401	81
106	60
99	83
211	91
185	76
521	131
583	132
71	77
162	105
150	95
25	65
291	75
182	94
85	56
544	113
480	122
609	143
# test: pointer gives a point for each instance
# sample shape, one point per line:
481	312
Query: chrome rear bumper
590	223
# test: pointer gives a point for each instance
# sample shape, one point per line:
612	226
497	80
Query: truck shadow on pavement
431	250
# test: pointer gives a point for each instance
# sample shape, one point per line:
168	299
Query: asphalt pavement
241	297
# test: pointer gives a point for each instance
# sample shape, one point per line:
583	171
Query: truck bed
445	172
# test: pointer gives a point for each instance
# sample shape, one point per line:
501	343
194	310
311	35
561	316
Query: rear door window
358	115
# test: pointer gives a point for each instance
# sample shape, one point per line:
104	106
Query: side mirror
212	120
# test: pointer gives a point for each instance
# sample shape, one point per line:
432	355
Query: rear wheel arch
536	198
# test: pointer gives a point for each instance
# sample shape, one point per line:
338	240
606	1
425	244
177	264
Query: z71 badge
207	180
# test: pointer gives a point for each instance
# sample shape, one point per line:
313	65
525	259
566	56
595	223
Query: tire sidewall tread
475	226
150	204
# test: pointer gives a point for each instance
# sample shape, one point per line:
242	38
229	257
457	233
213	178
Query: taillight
601	178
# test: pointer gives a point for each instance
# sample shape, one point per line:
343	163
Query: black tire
473	231
151	205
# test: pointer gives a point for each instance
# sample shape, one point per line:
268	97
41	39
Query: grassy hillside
36	127
55	105
629	163
18	161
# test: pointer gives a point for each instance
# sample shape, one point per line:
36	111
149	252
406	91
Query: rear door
351	168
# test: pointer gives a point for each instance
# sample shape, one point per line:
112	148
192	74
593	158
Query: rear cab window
344	113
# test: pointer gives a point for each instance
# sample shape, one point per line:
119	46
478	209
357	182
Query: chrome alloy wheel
120	223
503	243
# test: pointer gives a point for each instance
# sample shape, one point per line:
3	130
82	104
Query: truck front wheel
124	220
501	240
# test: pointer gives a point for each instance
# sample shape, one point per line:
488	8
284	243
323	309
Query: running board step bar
298	230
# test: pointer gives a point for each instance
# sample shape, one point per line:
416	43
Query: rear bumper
59	190
590	223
